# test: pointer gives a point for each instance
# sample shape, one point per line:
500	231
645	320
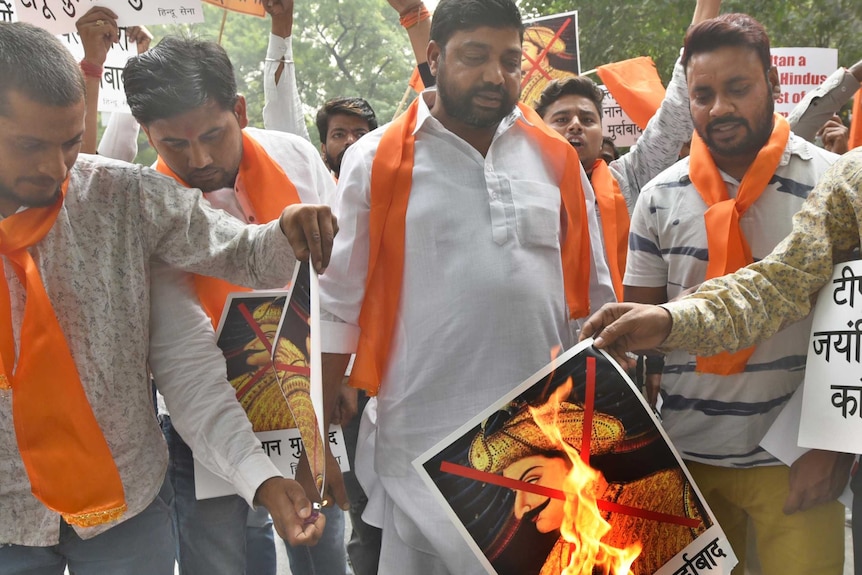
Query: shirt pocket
537	213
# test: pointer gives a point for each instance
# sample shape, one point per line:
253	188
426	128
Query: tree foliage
613	31
357	47
340	48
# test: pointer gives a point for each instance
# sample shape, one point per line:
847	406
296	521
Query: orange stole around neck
727	245
269	190
67	459
615	222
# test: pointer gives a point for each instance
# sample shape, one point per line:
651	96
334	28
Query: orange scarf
615	222
269	190
68	461
727	247
391	182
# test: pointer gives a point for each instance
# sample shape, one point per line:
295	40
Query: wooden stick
221	29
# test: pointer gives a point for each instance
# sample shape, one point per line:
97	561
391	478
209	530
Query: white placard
799	71
284	448
7	11
616	124
59	16
832	397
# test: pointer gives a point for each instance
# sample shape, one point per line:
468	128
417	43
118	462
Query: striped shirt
720	420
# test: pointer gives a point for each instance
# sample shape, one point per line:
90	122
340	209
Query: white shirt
217	429
482	302
713	419
282	109
95	265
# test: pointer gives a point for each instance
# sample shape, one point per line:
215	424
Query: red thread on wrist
91	70
414	15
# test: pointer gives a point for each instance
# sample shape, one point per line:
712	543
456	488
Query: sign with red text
59	16
832	395
799	71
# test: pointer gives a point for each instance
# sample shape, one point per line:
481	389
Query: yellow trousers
805	543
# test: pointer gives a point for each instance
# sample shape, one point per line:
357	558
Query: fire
583	526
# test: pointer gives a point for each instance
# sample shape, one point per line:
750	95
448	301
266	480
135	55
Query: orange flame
583	526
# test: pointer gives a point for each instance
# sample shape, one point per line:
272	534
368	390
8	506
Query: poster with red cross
550	52
571	472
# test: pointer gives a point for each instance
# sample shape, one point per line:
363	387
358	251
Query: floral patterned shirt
737	310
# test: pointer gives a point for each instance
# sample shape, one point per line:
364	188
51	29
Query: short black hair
576	85
177	76
35	63
607	140
452	16
727	30
349	106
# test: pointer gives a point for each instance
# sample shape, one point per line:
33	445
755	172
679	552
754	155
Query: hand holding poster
264	337
571	469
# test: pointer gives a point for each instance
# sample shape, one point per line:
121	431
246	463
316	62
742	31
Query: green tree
340	48
613	31
354	47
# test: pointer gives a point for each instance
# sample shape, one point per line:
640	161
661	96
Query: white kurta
482	303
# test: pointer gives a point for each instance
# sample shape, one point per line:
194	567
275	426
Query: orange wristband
414	15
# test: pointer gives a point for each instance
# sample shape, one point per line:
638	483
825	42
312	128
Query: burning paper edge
672	567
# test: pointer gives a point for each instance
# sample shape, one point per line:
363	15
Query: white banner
799	71
832	397
616	124
59	16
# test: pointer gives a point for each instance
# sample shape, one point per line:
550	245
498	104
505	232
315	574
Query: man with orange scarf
728	204
573	107
184	95
469	251
82	457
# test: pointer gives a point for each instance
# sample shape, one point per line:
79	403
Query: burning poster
571	473
550	52
266	341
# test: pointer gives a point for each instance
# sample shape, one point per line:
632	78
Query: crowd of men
474	234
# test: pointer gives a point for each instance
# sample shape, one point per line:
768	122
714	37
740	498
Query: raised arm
659	146
282	109
98	31
416	20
